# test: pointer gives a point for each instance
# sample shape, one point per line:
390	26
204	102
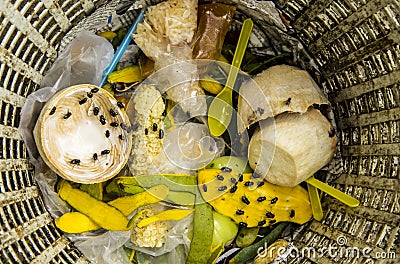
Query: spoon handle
122	47
341	196
220	110
315	202
239	52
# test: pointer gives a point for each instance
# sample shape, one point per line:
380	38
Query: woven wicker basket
356	44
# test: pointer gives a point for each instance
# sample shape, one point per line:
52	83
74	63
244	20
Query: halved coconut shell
81	134
278	89
292	147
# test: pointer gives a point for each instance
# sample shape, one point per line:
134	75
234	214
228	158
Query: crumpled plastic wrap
105	248
182	75
187	148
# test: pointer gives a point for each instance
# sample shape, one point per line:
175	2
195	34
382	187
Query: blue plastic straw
122	47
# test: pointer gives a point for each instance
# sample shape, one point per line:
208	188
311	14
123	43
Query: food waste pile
140	177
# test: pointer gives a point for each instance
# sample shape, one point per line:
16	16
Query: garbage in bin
161	134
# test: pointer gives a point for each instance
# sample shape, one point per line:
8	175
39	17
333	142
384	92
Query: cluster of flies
155	128
102	119
244	199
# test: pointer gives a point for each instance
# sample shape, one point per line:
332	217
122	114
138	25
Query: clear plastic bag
183	86
105	248
177	242
83	61
187	148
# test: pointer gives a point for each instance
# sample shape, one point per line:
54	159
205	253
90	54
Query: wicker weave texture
30	34
356	44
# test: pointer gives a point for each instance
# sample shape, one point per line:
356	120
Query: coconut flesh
290	148
61	139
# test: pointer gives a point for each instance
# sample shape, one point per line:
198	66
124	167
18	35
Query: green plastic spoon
341	196
220	111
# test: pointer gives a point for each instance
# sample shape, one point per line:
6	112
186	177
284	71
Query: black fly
245	200
240	177
242	224
261	199
161	134
113	113
269	215
255	175
261	183
239	212
96	110
261	223
105	152
249	183
120	105
67	115
82	101
75	162
102	120
53	110
292	213
226	169
222	188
